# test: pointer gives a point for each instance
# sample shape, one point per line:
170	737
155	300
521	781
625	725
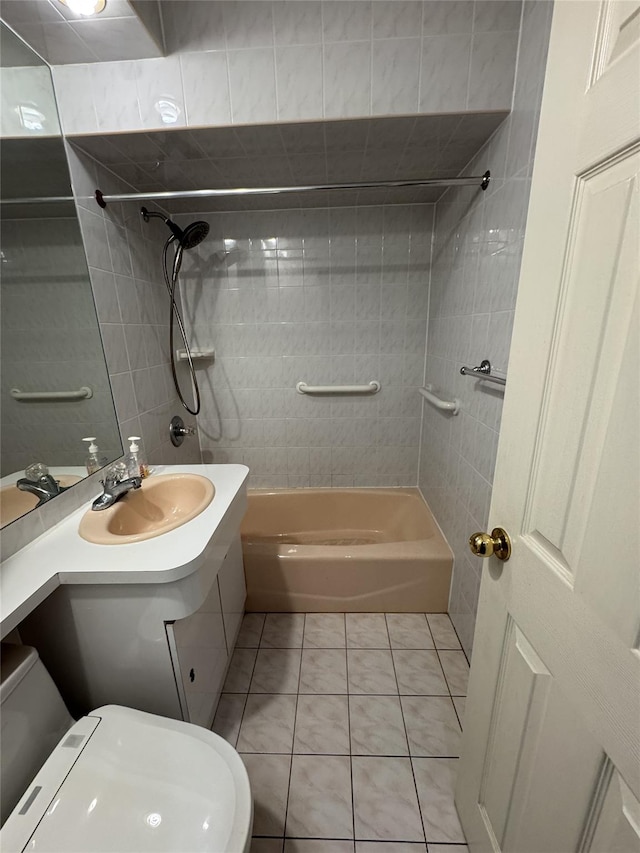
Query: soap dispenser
134	460
94	461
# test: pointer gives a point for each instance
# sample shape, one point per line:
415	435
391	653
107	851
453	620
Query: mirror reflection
55	392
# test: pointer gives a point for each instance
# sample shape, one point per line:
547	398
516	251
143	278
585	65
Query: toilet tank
33	718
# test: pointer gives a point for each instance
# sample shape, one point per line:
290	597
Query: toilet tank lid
15	663
124	780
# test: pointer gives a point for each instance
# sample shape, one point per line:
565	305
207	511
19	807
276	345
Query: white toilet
117	781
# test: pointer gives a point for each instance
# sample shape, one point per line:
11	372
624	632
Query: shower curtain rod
103	199
474	180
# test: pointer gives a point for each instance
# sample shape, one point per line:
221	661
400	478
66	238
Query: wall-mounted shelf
196	354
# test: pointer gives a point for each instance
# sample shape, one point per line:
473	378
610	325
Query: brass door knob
497	544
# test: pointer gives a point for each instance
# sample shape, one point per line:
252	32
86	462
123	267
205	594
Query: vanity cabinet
162	647
201	644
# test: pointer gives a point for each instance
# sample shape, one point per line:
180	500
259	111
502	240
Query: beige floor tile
269	779
390	847
229	716
419	673
240	671
377	727
432	726
371	671
447	848
322	725
267	724
250	631
324	631
460	702
323	671
443	631
367	631
283	631
385	803
276	671
435	780
456	671
266	845
320	803
317	845
409	631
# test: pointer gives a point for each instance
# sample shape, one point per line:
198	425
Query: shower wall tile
277	294
131	301
476	263
297	61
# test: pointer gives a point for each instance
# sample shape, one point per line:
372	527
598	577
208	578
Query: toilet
116	780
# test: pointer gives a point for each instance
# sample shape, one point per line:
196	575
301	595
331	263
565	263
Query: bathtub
353	550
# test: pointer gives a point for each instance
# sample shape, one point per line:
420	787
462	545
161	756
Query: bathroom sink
14	502
160	505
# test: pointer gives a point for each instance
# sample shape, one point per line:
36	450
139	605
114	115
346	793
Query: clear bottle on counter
135	460
94	462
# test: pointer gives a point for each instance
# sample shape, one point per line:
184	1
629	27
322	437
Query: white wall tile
444	72
397	19
346	20
160	97
396	73
297	22
299	82
347	79
493	58
205	81
74	94
252	81
115	95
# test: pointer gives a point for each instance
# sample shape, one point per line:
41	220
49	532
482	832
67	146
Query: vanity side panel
233	592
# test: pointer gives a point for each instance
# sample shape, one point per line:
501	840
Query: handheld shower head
188	238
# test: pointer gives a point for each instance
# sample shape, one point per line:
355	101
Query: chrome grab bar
371	388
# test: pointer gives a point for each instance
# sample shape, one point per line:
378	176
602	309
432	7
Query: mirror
55	387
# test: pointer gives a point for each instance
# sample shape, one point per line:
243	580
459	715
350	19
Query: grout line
293	736
406	734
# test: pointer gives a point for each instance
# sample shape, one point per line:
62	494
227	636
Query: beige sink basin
160	505
15	503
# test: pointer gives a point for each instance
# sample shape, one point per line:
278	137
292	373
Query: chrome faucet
44	488
114	489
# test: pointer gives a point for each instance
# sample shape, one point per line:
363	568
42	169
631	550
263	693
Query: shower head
191	236
194	234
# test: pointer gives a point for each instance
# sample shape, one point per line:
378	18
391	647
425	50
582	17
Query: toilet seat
124	780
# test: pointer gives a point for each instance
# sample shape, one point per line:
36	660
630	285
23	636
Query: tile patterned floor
349	727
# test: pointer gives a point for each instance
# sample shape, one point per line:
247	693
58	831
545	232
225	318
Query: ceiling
124	30
330	152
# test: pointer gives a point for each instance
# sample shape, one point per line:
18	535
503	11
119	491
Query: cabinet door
198	642
233	592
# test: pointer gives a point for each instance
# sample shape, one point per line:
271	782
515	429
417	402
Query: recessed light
86	8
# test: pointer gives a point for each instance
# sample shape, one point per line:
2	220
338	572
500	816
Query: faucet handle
114	473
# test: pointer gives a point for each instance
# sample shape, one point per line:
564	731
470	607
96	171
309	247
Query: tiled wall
28	105
133	311
329	296
476	264
50	342
124	257
257	62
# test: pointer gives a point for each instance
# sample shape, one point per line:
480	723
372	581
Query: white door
551	750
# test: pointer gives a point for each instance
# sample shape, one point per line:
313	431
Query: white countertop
61	556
